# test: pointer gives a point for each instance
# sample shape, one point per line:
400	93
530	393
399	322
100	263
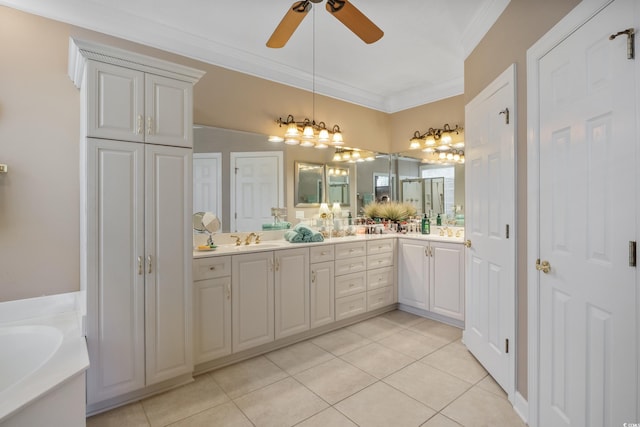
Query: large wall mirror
217	152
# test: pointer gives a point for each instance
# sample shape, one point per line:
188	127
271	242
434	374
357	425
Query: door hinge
631	48
506	232
236	170
506	345
632	253
506	115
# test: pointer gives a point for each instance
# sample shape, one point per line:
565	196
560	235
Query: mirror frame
296	186
346	167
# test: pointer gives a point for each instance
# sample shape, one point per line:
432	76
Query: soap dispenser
438	220
425	226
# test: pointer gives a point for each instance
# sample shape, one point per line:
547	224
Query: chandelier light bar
308	133
439	145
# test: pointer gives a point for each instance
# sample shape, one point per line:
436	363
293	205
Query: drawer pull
323	253
212	268
351	285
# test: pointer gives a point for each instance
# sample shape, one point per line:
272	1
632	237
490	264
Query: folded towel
317	237
303	229
293	236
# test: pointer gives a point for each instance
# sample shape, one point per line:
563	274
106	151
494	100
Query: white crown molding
480	24
137	29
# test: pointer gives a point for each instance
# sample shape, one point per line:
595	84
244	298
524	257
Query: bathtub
43	359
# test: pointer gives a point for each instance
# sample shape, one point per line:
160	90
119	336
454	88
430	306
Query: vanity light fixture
440	145
352	155
308	133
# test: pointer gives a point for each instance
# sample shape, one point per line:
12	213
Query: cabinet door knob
467	243
543	266
139	265
149	125
149	262
228	290
140	123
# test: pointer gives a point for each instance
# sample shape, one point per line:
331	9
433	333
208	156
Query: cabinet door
114	234
413	274
168	106
322	294
117	111
252	299
447	280
212	318
291	292
169	252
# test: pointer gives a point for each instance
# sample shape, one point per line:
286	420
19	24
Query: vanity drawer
212	267
321	254
351	305
380	278
380	246
380	298
348	250
350	265
350	284
380	260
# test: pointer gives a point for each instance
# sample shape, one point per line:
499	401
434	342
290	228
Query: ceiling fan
346	13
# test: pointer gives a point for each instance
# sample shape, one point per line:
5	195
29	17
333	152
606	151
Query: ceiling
419	60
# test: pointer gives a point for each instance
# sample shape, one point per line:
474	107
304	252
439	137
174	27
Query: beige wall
521	24
39	140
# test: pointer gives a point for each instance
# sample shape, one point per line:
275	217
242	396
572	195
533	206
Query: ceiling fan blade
355	20
289	23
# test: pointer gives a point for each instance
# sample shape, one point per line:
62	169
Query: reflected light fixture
309	133
440	145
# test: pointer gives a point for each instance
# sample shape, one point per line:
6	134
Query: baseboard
521	406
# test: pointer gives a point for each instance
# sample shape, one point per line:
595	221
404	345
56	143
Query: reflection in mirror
338	185
207	223
309	184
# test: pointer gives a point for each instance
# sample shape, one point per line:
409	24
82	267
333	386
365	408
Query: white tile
335	380
479	408
131	415
375	328
377	360
402	318
225	415
440	420
411	343
383	406
428	385
489	384
173	405
327	418
437	330
244	377
299	357
456	360
341	341
284	403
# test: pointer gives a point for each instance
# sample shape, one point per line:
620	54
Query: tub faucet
248	239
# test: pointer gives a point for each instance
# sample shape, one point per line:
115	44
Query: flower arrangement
393	211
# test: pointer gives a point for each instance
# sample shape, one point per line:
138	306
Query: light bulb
428	150
337	157
430	140
323	135
274	138
292	141
449	156
355	155
446	138
337	138
415	143
442	156
307	133
321	145
292	131
306	143
346	156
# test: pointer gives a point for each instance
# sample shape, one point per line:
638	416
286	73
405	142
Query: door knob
467	243
543	266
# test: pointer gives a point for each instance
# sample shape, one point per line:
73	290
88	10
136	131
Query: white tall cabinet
136	245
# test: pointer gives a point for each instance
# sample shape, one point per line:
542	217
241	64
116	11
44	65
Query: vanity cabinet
211	308
135	219
380	273
269	296
431	277
322	286
350	280
291	292
252	299
446	284
137	106
136	268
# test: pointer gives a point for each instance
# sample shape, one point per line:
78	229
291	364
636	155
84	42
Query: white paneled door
207	183
489	228
256	187
588	336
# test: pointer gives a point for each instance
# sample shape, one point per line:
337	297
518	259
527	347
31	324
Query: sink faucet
248	239
237	239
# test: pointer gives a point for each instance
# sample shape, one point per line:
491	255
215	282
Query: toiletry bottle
438	220
424	225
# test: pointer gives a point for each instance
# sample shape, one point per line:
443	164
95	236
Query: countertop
277	244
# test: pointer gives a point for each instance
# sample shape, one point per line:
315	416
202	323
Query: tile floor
396	370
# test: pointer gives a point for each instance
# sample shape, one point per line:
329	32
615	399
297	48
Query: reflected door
257	186
587	202
207	183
